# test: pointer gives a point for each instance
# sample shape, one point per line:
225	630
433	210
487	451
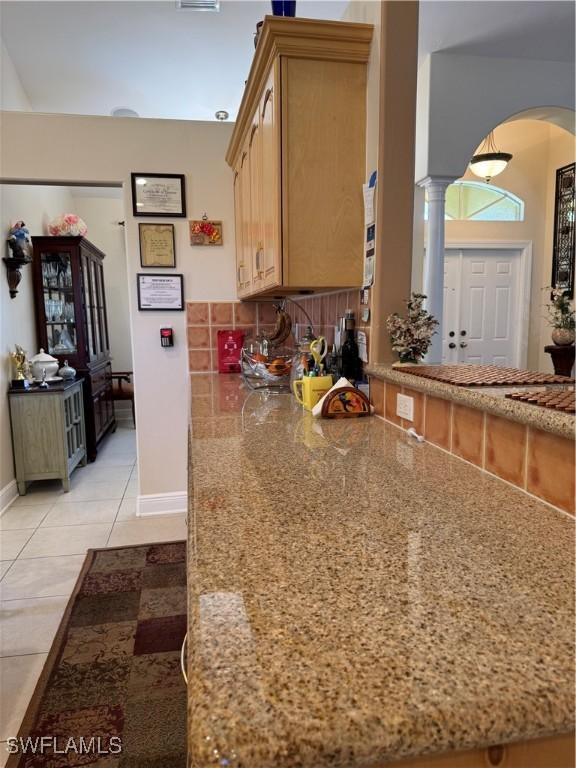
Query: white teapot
43	361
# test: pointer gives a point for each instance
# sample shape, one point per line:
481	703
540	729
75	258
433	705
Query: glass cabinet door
59	311
87	298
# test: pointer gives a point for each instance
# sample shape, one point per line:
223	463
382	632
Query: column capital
436	182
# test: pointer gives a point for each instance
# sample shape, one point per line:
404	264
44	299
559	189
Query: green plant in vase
561	317
411	336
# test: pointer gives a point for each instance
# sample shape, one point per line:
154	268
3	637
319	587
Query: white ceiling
513	29
92	57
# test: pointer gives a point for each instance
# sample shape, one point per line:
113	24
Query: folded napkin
342	382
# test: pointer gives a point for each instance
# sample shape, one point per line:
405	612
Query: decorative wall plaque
205	232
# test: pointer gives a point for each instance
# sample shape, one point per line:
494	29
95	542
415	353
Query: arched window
477	201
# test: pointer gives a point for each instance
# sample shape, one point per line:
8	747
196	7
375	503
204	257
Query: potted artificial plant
561	317
411	336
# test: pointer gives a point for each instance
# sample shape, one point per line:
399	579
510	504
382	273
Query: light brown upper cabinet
298	153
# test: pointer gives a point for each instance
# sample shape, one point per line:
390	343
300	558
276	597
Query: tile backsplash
205	319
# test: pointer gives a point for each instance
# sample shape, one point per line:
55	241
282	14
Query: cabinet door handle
267	96
183	658
252	132
258	255
243	158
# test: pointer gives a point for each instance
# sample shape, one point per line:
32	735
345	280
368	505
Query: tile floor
43	541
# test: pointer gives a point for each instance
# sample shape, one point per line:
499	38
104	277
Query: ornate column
433	285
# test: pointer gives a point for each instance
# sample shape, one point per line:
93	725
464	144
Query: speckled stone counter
489	399
356	597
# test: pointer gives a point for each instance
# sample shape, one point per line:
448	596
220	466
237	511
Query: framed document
157	247
158	194
160	292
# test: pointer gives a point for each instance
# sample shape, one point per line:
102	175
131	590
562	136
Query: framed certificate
159	194
157	247
160	292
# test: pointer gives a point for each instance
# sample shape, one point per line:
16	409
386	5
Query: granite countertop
356	597
489	399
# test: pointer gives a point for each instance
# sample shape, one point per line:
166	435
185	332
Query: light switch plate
405	407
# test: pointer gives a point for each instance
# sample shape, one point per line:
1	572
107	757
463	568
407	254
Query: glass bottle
350	358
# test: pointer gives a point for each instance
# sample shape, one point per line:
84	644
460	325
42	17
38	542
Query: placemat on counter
556	399
467	375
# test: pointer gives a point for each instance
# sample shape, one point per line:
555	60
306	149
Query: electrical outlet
405	407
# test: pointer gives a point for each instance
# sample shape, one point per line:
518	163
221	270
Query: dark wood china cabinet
71	322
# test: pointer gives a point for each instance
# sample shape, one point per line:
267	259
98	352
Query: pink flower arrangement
67	224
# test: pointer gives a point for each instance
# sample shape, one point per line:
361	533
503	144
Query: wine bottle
349	352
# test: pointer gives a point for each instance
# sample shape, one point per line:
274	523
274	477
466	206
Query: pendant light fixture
489	162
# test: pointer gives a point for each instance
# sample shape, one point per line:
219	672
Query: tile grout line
32	597
20	655
119	505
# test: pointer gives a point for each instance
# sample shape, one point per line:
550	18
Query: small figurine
19	362
20	242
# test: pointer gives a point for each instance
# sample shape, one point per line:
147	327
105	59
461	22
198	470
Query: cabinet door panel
323	167
87	294
245	258
255	160
57	313
238	229
271	201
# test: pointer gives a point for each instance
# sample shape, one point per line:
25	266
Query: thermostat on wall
166	337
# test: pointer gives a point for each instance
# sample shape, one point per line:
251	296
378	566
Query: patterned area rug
111	694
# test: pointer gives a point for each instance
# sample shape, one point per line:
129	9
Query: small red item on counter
229	350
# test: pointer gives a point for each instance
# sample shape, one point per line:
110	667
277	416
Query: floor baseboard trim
161	504
7	496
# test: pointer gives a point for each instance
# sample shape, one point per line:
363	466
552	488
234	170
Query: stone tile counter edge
557	423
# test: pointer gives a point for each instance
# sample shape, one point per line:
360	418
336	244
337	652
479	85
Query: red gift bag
229	350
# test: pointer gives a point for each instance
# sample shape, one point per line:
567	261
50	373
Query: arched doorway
541	140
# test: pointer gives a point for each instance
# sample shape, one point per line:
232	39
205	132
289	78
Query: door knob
452	345
451	334
462	333
463	344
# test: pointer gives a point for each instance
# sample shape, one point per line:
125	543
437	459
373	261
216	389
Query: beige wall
369	12
102	210
538	149
36	206
99	149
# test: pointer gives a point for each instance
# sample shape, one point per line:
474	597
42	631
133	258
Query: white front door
481	294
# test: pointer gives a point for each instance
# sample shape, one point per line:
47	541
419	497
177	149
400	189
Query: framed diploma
159	194
157	247
160	292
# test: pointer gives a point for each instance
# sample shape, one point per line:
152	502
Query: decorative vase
407	358
284	7
67	372
563	337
